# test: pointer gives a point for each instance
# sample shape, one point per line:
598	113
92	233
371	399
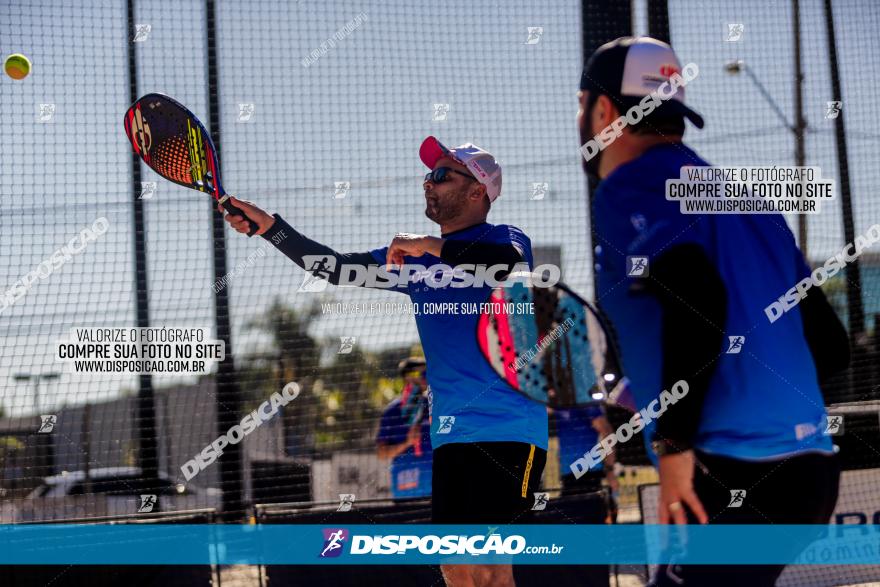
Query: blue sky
357	114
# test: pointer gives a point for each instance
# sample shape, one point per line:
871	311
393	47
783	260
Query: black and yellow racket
173	143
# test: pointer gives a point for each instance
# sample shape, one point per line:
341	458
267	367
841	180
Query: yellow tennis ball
17	66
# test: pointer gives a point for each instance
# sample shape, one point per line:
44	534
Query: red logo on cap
667	69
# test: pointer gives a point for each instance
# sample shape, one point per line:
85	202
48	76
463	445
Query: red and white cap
479	162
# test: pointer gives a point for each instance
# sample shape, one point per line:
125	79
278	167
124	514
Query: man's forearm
693	299
825	335
455	252
296	246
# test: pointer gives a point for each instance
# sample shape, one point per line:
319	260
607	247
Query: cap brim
680	108
432	151
668	107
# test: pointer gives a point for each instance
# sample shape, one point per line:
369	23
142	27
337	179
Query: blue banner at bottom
157	544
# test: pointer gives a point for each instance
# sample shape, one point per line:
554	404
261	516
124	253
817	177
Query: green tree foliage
342	396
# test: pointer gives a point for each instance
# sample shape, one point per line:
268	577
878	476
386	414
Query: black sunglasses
441	174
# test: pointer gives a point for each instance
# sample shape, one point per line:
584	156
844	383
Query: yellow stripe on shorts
525	484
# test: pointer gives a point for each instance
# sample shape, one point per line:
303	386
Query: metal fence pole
229	400
148	457
855	309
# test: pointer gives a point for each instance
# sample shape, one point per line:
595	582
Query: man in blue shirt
404	434
489	441
753	416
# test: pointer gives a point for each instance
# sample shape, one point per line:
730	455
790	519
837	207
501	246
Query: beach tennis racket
562	354
173	143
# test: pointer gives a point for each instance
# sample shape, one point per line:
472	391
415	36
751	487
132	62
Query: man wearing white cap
489	441
747	444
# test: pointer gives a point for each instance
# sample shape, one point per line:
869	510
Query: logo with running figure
832	109
47	423
318	271
346	345
346	500
246	112
46	113
141	32
541	501
540	189
834	425
147	503
148	188
446	423
341	189
441	112
737	496
735	344
637	266
333	541
735	32
535	33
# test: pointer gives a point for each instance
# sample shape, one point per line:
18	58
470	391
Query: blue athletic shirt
763	402
574	429
410	473
463	384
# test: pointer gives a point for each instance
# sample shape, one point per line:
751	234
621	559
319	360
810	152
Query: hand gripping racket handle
233	209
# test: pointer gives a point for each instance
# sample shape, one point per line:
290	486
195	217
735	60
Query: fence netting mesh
318	110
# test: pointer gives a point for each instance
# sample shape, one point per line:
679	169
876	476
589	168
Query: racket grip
233	209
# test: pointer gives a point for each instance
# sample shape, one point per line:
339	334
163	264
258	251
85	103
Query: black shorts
485	482
797	490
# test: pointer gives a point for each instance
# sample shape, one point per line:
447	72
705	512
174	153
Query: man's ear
604	111
478	192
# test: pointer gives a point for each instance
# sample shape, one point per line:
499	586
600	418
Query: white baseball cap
629	68
479	162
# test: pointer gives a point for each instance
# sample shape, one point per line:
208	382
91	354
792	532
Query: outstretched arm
295	245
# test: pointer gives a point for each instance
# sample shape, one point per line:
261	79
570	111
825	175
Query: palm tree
341	400
293	355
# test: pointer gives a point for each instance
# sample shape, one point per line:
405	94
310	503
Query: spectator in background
405	434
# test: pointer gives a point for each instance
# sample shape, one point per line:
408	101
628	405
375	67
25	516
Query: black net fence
318	111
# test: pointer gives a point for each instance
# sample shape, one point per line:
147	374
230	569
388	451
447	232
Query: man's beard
591	166
447	209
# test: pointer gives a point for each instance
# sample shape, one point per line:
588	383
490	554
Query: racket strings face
558	355
171	160
172	143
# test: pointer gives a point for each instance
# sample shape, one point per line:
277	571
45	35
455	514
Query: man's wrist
666	446
277	226
434	245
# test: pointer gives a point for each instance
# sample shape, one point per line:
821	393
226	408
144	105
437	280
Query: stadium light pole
798	128
36	378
